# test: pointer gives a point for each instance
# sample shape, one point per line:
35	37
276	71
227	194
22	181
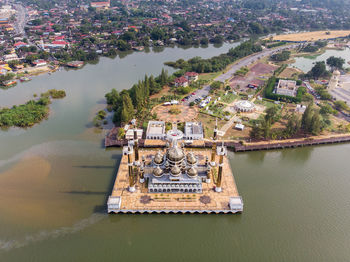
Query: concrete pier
122	200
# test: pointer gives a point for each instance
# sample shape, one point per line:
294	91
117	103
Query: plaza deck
123	201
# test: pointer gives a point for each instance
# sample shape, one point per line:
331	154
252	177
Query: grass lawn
229	98
268	104
208	123
209	76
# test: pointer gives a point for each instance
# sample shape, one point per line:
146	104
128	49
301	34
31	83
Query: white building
156	130
129	135
10	57
193	131
239	126
286	88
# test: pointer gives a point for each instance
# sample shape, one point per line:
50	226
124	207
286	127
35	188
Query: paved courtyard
187	113
141	200
342	91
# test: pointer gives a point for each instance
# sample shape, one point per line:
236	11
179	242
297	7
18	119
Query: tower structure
136	147
213	150
222	152
131	174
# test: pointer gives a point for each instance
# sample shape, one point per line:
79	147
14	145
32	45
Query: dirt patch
262	69
312	36
256	72
289	72
164	91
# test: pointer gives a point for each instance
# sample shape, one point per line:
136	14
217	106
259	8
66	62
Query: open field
289	73
312	36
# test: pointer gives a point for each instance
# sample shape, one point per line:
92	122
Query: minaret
207	180
216	129
221	164
213	150
136	147
142	170
130	171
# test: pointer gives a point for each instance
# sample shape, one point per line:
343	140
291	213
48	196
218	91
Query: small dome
158	158
175	154
192	172
191	159
336	72
158	172
175	171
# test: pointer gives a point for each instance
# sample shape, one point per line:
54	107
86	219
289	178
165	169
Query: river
56	176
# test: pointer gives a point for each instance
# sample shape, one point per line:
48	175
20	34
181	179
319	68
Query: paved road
249	60
199	94
20	19
235	67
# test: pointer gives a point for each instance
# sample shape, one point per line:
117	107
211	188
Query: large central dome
175	154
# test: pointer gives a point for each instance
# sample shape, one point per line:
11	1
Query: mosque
175	179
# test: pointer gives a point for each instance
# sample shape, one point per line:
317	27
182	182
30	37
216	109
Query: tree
318	70
341	105
307	118
218	39
128	36
272	114
256	28
127	111
315	123
293	125
163	77
157	33
204	41
123	45
282	56
256	132
335	62
266	127
215	85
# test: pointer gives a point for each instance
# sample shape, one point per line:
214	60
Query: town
258	98
40	36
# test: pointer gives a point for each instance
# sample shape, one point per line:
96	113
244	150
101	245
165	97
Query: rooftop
287	84
156	128
193	128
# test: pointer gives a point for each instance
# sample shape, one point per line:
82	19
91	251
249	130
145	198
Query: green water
306	63
55	178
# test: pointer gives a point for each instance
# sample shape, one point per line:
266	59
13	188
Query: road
200	93
235	67
20	19
249	60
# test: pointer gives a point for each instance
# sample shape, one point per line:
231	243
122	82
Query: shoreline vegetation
30	113
195	64
271	124
136	102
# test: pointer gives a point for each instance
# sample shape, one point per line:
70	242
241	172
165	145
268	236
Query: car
193	94
183	99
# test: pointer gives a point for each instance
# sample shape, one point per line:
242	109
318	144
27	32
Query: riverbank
52	67
111	140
